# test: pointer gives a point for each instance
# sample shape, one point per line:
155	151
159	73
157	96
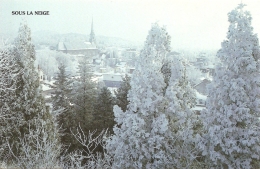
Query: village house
112	79
42	76
202	86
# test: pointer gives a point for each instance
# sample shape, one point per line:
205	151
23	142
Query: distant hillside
49	38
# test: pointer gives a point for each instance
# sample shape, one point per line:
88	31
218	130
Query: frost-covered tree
122	92
231	122
46	60
9	71
183	122
37	150
25	103
141	137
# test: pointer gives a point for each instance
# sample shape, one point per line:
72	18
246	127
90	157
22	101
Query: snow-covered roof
77	45
113	84
200	96
198	108
45	87
112	77
204	80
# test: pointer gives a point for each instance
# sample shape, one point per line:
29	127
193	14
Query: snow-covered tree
142	134
122	92
24	102
231	121
46	60
183	122
9	71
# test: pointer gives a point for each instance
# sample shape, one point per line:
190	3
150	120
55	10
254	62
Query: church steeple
92	38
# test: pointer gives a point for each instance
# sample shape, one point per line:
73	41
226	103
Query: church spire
92	30
92	38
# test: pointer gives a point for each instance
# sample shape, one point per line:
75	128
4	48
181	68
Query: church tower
92	38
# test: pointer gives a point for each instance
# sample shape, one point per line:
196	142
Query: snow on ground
45	87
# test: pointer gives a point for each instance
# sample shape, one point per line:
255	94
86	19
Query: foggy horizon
194	25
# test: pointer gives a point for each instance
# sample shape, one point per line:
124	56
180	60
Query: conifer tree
231	122
25	106
85	94
122	92
104	116
61	95
142	132
9	69
62	105
83	99
183	122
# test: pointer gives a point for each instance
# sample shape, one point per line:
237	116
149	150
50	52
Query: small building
130	53
102	70
209	70
42	76
202	86
201	99
200	103
131	70
78	48
112	79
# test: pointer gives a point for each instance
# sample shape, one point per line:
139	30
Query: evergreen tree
183	122
61	104
25	106
9	69
141	137
122	92
104	116
60	97
231	122
83	99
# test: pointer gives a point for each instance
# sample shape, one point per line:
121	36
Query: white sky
192	24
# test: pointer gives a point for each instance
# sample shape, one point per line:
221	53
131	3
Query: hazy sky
200	24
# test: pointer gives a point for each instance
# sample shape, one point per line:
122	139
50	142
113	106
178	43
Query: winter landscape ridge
87	101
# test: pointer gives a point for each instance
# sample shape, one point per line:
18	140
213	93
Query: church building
80	48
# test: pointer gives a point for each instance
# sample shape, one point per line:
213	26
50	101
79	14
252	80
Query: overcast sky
193	24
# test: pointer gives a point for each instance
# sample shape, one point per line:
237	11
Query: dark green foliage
121	93
61	95
104	116
83	99
62	105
